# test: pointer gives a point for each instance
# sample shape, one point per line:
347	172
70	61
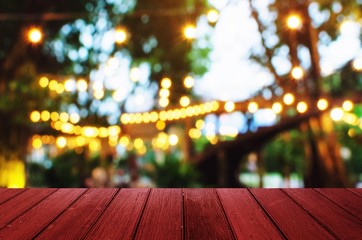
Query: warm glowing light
347	26
35	116
97	86
114	130
94	146
347	105
212	16
302	107
135	74
120	35
294	22
69	85
54	116
337	114
82	85
37	143
184	101
67	128
195	133
61	142
124	141
99	94
43	82
164	93
60	88
160	125
288	99
89	131
322	104
189	82
190	32
80	141
173	139
103	132
253	107
64	117
53	84
35	35
166	82
229	106
277	108
163	102
357	64
74	118
45	116
200	124
297	73
138	143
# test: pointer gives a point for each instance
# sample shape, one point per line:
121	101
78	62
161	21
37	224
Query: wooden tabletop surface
180	213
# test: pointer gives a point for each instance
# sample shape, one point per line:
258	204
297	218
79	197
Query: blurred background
180	93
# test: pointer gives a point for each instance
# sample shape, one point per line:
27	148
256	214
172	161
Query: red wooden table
180	214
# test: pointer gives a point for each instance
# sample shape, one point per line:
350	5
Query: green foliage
172	172
285	154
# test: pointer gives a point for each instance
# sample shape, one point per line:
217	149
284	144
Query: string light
189	82
166	82
35	35
190	32
212	16
277	108
184	101
357	64
163	102
43	82
302	107
294	21
288	99
337	114
297	73
229	106
253	107
135	74
82	85
322	104
347	105
173	139
35	116
164	93
120	35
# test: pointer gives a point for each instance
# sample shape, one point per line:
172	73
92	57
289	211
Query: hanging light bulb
35	35
294	21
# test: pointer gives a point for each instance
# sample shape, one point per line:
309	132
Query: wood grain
328	214
120	219
7	194
246	216
75	222
21	203
29	224
291	219
162	215
204	216
345	199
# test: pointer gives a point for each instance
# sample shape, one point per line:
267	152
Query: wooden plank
357	191
162	216
21	203
338	221
29	224
203	215
345	199
290	218
246	216
120	219
81	216
6	194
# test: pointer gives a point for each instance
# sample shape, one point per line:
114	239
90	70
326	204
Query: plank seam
225	215
183	224
85	235
268	215
310	214
353	192
336	204
28	209
60	213
14	196
134	232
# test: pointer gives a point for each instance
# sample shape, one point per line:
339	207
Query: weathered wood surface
180	214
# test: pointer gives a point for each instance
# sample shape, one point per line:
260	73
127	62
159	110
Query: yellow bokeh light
288	99
89	131
67	128
195	133
294	21
43	82
212	16
229	106
53	84
189	82
60	88
166	82
69	85
99	94
163	102
54	116
200	124
357	64
302	107
35	116
277	108
61	142
114	130
80	141
253	107
297	73
64	117
138	143
347	105
94	145
164	93
160	125
74	118
82	85
184	101
120	35
45	116
154	116
35	35
173	139
37	143
135	74
189	31
124	141
103	132
337	114
322	104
